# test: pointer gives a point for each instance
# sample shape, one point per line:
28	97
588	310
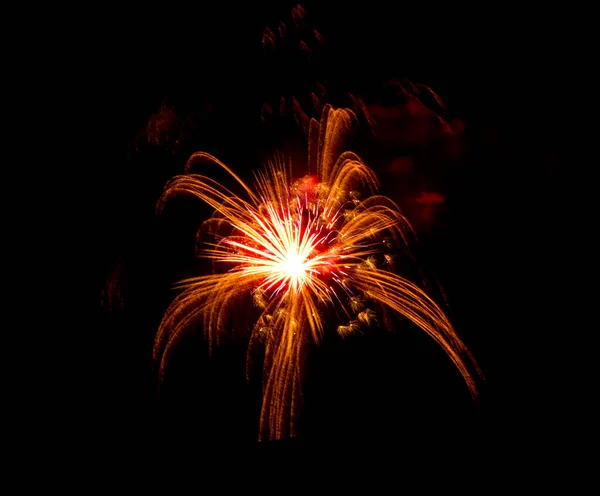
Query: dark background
377	399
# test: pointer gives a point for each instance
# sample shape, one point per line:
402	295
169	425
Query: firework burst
308	256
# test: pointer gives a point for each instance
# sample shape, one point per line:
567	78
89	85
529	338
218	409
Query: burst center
294	266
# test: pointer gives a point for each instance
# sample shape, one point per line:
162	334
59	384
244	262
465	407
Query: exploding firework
307	256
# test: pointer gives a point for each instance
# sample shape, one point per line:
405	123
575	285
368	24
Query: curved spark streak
308	254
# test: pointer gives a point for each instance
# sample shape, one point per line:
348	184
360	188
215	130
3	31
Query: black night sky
169	84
